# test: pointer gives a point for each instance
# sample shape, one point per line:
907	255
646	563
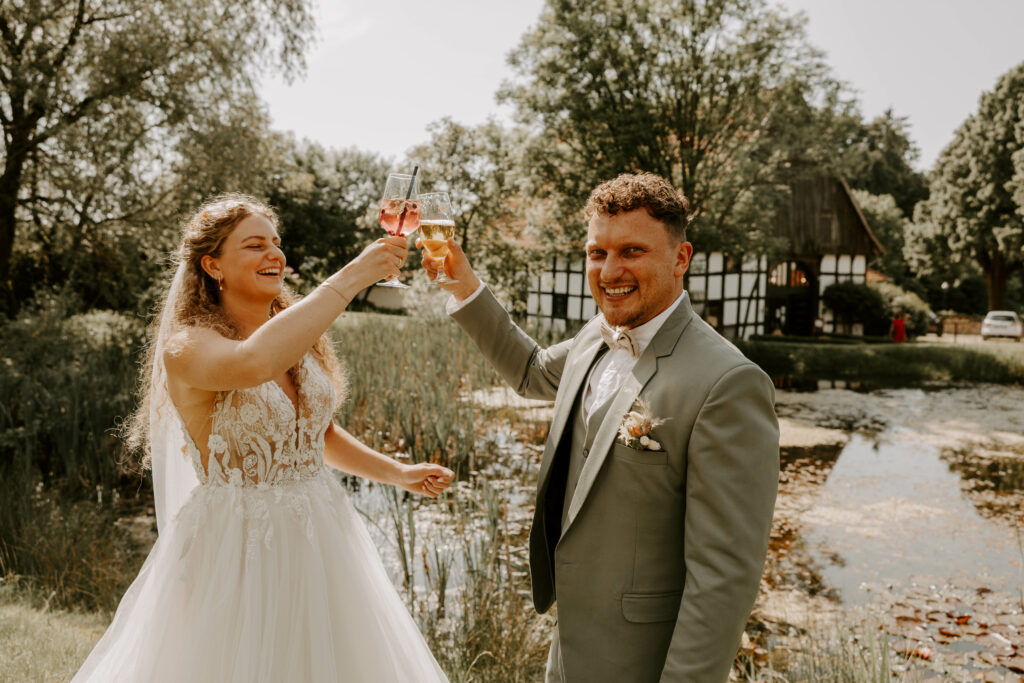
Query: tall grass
42	644
836	653
409	383
63	384
472	595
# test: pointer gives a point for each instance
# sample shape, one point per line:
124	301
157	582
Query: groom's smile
634	266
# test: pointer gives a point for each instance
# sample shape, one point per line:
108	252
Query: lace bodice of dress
259	437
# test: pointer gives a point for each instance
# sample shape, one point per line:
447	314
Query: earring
220	284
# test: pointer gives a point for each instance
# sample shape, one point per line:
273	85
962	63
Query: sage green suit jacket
659	560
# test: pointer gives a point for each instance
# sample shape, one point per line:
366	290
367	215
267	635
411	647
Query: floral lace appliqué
260	438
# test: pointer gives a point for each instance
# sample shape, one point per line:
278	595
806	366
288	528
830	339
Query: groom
659	477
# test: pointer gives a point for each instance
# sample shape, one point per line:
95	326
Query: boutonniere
636	427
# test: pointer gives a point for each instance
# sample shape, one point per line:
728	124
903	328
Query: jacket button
586	452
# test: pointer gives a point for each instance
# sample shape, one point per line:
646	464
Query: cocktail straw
405	207
412	181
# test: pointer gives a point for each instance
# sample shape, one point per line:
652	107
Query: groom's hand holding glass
456	265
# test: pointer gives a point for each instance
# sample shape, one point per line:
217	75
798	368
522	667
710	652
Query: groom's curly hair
632	191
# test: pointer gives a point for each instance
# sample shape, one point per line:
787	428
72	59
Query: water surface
891	512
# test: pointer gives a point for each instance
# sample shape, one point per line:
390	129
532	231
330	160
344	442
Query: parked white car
1002	324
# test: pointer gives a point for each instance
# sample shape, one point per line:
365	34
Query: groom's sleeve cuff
454	306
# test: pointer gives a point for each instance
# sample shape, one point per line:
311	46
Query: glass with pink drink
400	210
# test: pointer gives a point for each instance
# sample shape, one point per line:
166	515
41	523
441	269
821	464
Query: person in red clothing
898	329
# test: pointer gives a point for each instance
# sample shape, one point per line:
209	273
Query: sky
381	72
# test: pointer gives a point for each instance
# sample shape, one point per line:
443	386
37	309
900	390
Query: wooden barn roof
822	217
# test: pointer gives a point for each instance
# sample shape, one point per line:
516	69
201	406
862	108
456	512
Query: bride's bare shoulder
190	344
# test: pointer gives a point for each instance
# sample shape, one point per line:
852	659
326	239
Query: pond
892	513
902	510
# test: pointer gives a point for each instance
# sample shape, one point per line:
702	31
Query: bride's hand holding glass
380	259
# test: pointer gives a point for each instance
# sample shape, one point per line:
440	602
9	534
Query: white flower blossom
249	414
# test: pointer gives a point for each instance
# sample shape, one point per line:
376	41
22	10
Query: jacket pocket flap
644	608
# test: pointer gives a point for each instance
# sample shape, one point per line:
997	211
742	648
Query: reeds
835	653
409	381
473	601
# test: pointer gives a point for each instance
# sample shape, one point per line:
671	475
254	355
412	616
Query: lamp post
945	307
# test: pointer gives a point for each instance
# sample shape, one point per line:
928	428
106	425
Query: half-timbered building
741	295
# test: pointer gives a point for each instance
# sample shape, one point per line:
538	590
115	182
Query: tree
889	225
479	167
97	99
715	95
327	201
975	209
878	157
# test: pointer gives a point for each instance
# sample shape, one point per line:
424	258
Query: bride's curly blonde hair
192	298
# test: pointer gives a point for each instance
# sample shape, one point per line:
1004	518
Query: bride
262	570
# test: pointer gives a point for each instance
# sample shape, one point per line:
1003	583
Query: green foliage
857	303
68	550
899	300
327	201
63	384
479	167
885	365
714	95
889	224
975	211
405	377
827	339
116	116
878	157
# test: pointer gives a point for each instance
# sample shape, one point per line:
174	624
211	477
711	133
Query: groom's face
635	266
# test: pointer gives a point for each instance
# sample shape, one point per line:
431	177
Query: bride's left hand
425	478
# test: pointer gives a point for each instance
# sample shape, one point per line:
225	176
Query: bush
824	339
69	552
857	303
64	383
885	365
899	300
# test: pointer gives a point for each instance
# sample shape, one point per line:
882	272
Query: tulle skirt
280	583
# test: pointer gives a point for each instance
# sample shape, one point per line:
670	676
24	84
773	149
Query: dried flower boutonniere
636	427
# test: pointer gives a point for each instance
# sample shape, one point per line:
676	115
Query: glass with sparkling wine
436	227
400	211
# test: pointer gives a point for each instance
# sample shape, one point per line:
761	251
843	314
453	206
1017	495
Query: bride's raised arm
207	360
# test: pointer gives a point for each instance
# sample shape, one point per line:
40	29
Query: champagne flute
400	211
436	228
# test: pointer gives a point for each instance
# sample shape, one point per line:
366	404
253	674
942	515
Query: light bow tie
619	338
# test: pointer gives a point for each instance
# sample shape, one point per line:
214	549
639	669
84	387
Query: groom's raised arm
532	371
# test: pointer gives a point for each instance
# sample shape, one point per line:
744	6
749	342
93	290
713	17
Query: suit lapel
575	373
663	344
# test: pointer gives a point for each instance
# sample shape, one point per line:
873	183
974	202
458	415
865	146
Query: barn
741	295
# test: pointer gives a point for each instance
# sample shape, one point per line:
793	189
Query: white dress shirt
613	367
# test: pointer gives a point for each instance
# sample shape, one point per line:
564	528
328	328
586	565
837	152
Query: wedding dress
266	572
